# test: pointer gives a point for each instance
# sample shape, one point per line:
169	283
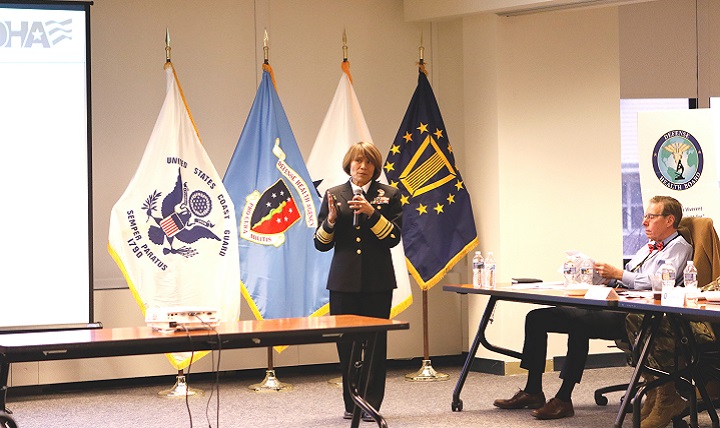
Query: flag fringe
323	310
426	285
401	306
130	284
181	365
250	301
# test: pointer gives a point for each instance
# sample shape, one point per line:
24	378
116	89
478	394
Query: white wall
531	104
217	52
542	134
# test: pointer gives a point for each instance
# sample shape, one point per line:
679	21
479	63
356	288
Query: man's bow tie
656	246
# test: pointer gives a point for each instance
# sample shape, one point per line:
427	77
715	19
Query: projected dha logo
678	160
26	34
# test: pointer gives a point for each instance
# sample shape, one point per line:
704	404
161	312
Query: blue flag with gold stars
438	224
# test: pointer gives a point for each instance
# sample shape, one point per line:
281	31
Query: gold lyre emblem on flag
433	171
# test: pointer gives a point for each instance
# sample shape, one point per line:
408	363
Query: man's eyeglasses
652	216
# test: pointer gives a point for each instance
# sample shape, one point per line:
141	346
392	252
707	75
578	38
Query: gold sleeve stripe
323	236
382	228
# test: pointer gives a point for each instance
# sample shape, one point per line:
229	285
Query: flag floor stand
426	374
181	388
270	384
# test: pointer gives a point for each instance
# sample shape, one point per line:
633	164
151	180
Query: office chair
706	245
6	421
600	398
700	233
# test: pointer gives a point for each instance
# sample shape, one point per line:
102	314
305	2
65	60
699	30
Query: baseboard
508	368
257	374
597	361
499	367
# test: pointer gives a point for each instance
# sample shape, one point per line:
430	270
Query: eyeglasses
652	216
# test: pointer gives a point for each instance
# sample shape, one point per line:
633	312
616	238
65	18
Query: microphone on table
356	215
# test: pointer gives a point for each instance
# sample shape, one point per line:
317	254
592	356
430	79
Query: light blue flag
282	274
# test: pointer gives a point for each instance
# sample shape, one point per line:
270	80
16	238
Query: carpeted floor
312	402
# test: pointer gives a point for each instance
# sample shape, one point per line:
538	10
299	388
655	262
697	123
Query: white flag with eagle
173	232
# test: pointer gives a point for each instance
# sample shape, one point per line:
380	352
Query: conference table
554	295
109	342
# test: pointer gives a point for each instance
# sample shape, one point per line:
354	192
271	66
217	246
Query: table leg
361	361
707	401
480	338
650	324
4	375
694	369
5	419
684	331
457	404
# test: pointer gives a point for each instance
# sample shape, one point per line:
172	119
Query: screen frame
83	6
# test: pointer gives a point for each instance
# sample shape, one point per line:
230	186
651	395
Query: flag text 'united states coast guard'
172	232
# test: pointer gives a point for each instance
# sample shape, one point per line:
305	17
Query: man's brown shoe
522	400
554	409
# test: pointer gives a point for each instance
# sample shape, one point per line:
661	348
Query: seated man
581	325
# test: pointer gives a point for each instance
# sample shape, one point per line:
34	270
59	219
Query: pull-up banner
677	158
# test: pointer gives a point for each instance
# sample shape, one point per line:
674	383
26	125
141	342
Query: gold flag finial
421	62
167	45
344	46
265	48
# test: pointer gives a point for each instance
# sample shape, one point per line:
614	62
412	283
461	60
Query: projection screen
46	214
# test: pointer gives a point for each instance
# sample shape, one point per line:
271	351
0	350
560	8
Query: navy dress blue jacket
362	260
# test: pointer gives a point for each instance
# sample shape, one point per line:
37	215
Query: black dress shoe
522	400
554	409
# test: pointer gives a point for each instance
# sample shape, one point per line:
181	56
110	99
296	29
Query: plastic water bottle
489	275
577	260
586	271
569	271
656	281
690	279
478	266
667	275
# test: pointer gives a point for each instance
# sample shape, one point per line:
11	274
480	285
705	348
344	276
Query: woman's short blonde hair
366	150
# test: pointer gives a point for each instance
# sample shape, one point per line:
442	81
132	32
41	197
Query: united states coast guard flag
343	126
172	233
438	224
282	273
